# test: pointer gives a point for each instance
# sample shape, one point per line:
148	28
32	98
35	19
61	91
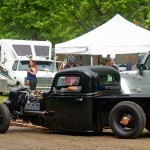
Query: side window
60	81
147	64
14	67
106	80
69	83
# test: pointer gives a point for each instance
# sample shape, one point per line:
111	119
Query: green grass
2	97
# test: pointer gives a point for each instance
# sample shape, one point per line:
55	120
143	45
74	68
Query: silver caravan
14	59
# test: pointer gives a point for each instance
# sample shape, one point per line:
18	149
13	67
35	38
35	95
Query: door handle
79	99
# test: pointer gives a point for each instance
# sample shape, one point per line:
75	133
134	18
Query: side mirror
54	90
141	68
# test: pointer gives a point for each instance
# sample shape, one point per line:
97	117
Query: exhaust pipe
42	113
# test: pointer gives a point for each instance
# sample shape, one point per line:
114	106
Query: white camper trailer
14	59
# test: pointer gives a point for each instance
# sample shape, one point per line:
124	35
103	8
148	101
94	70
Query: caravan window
41	50
22	50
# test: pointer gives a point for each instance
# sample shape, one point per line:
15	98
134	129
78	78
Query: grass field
2	97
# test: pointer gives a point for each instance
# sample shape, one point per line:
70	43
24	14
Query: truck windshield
41	65
41	50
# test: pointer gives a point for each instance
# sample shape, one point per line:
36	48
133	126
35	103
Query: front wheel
4	118
127	120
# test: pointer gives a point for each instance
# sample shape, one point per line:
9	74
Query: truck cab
45	73
75	108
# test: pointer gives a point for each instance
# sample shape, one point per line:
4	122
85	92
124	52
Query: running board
29	125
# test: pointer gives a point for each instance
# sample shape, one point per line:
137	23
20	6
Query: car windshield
41	65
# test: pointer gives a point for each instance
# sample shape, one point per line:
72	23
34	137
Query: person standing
129	66
31	74
71	62
110	62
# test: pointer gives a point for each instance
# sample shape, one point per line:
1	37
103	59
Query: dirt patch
18	138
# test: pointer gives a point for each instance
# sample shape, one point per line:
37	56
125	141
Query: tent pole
91	60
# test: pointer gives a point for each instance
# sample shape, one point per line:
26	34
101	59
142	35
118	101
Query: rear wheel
127	120
4	118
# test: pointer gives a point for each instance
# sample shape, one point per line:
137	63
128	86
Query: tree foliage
59	21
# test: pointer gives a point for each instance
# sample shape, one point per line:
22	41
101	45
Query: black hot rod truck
83	99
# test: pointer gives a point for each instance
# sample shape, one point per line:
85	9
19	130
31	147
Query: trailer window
41	50
22	50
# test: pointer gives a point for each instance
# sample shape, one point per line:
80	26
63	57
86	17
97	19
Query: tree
59	21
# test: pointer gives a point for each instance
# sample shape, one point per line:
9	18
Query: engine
20	100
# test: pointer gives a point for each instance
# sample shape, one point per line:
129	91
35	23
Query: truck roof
92	77
91	70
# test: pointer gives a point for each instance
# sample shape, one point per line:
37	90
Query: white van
14	59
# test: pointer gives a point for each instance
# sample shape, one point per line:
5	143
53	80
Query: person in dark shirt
71	62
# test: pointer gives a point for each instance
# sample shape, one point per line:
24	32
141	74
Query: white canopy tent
117	36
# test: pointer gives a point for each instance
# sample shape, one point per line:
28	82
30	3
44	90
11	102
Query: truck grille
42	82
46	82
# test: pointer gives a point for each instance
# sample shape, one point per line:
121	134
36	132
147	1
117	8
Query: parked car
122	67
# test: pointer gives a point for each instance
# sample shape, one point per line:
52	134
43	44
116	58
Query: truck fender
4	118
